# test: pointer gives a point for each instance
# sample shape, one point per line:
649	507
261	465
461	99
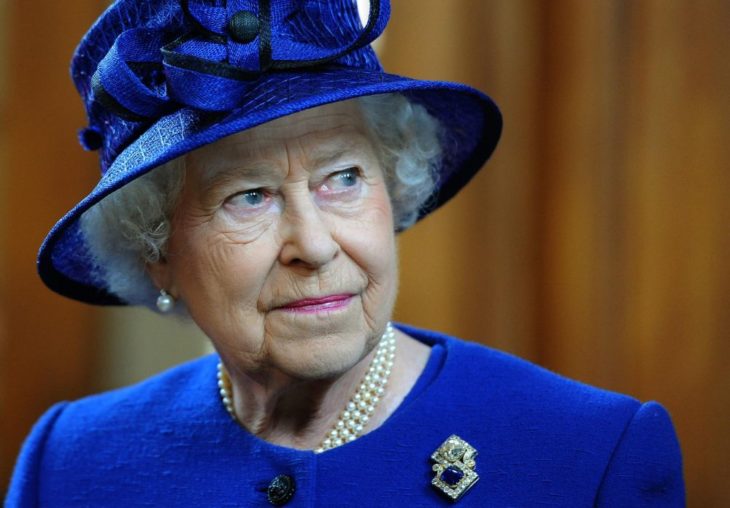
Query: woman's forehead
344	115
320	124
319	134
328	116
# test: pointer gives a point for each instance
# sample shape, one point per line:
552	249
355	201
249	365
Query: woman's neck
299	414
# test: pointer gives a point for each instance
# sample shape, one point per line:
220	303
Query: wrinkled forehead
321	132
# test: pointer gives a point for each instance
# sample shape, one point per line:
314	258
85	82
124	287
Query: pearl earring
165	302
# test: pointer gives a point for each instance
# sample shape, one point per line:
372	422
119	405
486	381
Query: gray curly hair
129	228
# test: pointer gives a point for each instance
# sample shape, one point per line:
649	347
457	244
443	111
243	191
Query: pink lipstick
313	305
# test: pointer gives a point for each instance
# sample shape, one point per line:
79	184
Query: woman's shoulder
527	403
177	394
484	371
116	432
584	441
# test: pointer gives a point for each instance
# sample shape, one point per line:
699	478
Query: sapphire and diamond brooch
454	467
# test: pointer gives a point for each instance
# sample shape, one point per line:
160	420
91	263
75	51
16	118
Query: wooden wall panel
596	241
47	351
476	256
679	231
582	190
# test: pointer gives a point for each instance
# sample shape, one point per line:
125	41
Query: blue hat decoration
160	78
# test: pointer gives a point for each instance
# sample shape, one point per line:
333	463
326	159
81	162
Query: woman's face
282	245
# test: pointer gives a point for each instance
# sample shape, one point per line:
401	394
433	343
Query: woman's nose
306	234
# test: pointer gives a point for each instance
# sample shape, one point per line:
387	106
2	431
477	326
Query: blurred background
596	242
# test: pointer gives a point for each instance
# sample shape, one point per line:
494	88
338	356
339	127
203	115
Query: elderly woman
256	166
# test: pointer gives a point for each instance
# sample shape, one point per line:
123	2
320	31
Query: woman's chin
321	357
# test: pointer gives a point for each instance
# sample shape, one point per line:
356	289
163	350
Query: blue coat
542	440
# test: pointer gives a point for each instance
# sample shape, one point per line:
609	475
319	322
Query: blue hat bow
227	45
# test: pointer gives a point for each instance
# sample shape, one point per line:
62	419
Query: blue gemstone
452	475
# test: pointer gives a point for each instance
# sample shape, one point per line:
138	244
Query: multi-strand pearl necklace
361	406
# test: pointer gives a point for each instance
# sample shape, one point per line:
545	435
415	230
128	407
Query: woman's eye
345	184
347	178
250	198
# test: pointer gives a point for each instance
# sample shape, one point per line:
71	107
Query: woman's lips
324	303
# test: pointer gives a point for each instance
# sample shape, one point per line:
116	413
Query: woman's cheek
369	239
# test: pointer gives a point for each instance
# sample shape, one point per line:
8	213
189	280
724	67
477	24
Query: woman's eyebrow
332	152
222	173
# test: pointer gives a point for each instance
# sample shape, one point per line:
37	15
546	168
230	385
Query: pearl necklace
358	410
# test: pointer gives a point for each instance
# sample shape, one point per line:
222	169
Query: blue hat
160	78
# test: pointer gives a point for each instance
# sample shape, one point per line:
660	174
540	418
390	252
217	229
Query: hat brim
471	124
